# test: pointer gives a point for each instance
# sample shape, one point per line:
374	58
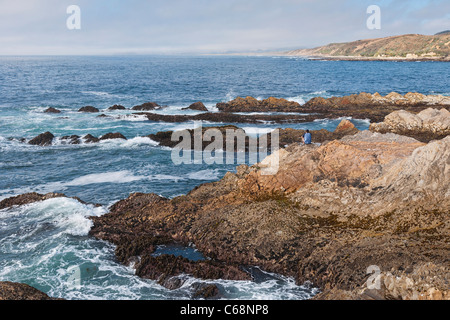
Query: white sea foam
132	117
168	177
298	99
124	176
208	174
106	177
104	94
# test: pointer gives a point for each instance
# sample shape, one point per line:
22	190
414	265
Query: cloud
200	26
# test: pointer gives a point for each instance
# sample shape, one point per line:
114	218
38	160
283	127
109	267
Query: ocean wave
208	174
124	176
104	94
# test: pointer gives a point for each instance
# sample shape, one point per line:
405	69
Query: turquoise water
43	244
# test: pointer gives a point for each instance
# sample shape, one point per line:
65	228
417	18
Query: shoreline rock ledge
328	215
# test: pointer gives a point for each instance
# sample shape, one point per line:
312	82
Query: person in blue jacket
307	137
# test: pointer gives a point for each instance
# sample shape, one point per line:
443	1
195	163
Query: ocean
41	244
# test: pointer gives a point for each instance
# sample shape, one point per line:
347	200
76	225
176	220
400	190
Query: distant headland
409	47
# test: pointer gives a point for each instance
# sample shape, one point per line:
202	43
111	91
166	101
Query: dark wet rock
250	104
205	291
73	139
52	110
102	116
20	292
28	198
116	107
198	106
90	139
148	106
226	117
110	136
89	109
44	139
164	268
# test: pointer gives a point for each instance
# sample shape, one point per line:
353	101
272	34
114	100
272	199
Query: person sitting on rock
306	139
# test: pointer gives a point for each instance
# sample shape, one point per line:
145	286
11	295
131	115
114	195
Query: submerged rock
44	139
205	291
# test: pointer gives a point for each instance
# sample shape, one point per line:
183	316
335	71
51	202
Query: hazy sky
205	26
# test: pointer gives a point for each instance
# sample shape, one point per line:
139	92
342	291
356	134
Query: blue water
41	243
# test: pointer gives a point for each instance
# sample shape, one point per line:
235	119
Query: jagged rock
89	109
52	110
90	139
28	198
44	139
110	136
19	291
198	106
73	139
146	106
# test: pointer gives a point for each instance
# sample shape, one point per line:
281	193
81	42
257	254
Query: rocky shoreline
356	201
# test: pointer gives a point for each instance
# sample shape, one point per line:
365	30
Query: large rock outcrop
425	126
375	106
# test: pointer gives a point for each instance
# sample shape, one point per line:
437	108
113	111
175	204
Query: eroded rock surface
425	126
